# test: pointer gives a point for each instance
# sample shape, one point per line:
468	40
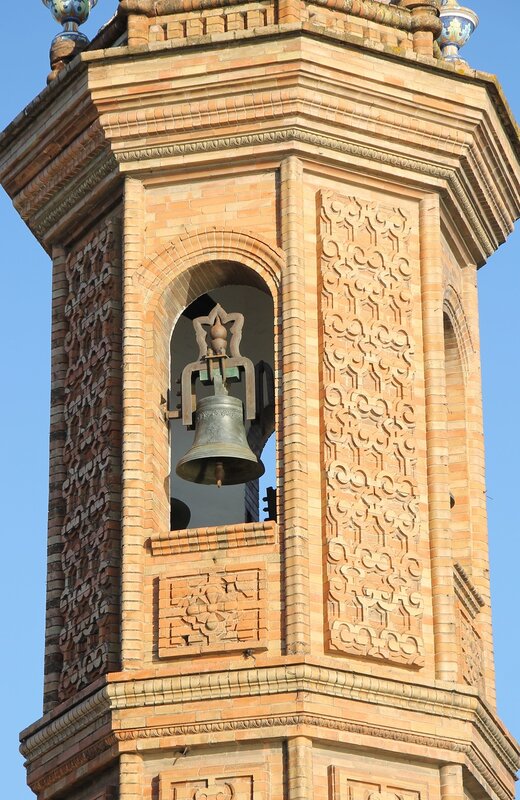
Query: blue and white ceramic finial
458	23
70	41
71	14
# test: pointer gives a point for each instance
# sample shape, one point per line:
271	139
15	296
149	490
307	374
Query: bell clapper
219	473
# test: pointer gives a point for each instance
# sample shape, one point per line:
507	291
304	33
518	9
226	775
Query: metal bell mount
220	454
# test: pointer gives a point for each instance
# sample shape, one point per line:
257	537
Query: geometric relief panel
91	491
228	788
472	658
372	525
344	788
212	612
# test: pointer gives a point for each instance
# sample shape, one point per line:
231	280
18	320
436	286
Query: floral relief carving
215	611
375	605
92	414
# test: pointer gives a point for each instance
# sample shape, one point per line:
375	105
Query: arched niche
237	289
457	444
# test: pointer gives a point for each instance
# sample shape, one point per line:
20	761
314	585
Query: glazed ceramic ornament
458	23
71	14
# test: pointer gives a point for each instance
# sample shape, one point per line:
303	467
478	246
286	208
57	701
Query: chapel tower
317	167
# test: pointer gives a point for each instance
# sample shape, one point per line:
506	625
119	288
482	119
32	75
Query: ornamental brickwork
375	605
90	558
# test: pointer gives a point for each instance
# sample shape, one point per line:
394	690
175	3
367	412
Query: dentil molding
255	682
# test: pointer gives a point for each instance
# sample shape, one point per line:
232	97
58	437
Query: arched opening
457	447
194	505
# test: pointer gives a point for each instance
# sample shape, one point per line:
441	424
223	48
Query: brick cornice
105	164
305	137
92	55
56	728
305	723
431	65
370	10
49	181
123	692
318	679
253	534
77	190
485	197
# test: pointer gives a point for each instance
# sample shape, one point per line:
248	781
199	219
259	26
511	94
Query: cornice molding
95	55
297	720
96	712
104	163
370	10
80	760
254	682
465	187
301	136
305	677
308	90
72	73
433	65
73	194
329	723
197	687
55	731
472	600
62	170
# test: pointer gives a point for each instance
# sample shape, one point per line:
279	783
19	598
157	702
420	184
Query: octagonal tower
319	168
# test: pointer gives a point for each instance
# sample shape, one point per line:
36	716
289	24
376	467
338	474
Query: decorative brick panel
212	612
345	787
469	606
89	602
372	521
227	788
472	653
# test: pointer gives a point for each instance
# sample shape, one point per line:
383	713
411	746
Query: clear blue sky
24	359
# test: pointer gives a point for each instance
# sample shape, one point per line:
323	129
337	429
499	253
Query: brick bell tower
322	168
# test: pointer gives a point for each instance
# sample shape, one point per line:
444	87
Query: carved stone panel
212	612
469	605
228	788
344	787
472	658
89	602
375	606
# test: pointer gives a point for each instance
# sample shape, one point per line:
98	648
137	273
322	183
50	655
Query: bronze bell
220	453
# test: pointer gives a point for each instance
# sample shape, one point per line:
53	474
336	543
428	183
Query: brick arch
454	310
207	246
163	286
155	296
456	359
